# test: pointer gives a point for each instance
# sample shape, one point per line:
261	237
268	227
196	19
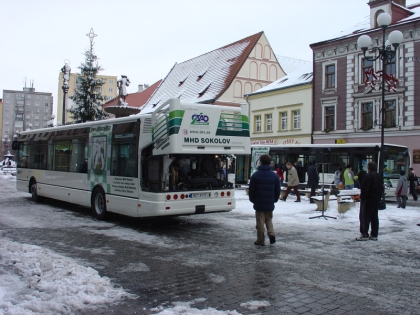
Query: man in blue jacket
264	191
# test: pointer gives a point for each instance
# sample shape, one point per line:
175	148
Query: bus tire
33	191
98	203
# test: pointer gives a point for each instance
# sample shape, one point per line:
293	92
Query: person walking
349	177
412	177
264	192
370	196
313	179
280	174
292	182
337	177
402	190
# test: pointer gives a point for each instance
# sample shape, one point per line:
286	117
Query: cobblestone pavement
208	257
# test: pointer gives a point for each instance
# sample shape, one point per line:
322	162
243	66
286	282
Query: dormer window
183	79
202	73
204	90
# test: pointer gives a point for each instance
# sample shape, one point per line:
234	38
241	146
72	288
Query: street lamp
386	53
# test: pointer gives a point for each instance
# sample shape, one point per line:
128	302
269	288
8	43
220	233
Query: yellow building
109	89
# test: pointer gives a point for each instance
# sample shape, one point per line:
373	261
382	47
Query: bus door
361	158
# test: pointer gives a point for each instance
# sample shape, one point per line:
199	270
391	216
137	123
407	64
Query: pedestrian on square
313	179
264	192
349	177
337	177
292	182
280	174
370	196
412	177
402	190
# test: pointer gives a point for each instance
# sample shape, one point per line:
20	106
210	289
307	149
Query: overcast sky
144	38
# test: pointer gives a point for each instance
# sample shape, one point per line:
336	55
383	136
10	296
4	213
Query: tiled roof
303	75
205	78
137	99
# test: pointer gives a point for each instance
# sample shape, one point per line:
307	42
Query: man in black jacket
313	179
264	191
370	195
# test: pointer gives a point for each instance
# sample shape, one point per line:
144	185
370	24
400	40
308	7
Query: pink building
345	107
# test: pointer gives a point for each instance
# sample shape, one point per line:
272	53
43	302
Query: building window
46	97
367	116
37	110
37	97
28	96
46	111
28	103
329	118
283	121
6	108
36	116
46	104
110	90
390	113
36	103
36	124
257	121
28	117
366	67
296	119
390	67
269	122
330	76
111	82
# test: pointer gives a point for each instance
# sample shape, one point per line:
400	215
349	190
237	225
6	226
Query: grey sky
143	39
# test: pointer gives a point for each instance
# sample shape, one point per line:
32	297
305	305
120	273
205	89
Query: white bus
336	156
169	162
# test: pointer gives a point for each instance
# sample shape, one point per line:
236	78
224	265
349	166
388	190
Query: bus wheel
99	204
34	192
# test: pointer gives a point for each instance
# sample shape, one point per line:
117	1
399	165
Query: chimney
141	88
146	85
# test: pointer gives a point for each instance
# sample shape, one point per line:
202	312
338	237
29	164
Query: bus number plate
201	195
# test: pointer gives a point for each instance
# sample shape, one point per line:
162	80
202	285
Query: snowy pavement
56	259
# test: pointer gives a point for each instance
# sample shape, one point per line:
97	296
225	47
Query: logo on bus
199	119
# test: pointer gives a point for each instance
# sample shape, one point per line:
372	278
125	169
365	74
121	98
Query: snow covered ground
35	280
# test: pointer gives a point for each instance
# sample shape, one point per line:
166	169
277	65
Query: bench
318	201
347	193
345	199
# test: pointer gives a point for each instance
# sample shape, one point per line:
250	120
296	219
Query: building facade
109	89
281	112
347	98
25	109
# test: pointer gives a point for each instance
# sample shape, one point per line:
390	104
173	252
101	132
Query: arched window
263	71
379	12
237	89
258	51
257	87
248	88
273	73
253	70
267	51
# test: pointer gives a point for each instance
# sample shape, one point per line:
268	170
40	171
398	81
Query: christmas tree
87	94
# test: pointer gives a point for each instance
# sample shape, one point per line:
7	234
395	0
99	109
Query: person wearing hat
412	177
401	190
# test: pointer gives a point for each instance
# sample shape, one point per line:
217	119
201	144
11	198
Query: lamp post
386	54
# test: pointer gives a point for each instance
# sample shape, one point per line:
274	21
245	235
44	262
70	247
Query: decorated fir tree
87	94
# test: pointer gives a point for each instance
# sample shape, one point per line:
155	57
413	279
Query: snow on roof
204	78
364	25
290	64
302	75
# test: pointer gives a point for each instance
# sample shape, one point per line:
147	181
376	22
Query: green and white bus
168	162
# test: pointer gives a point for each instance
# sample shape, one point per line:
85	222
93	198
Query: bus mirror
405	153
15	145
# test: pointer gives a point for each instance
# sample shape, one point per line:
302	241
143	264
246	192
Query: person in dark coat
313	179
264	192
370	196
412	178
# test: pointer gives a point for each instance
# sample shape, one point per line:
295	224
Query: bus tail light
222	194
168	197
228	194
182	196
175	196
